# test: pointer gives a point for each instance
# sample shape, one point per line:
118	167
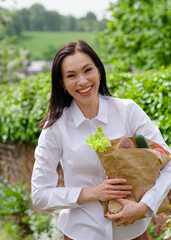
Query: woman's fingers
115	216
112	189
116	181
119	220
130	213
119	187
117	192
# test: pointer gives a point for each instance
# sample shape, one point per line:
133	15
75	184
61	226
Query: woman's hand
107	190
130	212
112	189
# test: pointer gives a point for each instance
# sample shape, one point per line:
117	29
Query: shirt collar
79	118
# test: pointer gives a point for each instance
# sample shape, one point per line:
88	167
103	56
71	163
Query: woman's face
81	78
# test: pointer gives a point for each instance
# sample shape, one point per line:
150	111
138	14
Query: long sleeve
143	125
45	194
154	196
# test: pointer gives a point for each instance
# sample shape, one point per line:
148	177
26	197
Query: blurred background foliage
22	106
12	61
138	33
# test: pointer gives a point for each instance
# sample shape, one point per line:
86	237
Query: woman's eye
70	76
88	69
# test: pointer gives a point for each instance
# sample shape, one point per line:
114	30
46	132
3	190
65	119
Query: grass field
41	45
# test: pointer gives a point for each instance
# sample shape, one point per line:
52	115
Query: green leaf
98	141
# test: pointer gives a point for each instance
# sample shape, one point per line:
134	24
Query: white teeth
85	90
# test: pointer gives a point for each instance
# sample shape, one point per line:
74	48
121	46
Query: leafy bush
22	106
49	222
138	33
12	61
151	90
13	200
20	221
167	233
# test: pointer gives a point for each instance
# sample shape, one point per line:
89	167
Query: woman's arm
107	190
143	125
45	194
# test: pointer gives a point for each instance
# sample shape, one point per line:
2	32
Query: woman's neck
90	111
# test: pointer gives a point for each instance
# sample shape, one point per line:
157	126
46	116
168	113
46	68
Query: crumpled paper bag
140	166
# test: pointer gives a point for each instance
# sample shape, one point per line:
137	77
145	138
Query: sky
77	8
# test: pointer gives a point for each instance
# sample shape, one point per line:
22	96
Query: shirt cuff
74	197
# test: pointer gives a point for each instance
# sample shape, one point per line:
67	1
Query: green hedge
151	90
22	106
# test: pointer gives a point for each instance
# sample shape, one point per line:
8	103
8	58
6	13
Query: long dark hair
59	98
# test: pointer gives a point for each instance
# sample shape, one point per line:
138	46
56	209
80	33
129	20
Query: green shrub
138	33
151	90
18	219
22	106
14	199
38	222
167	233
44	226
12	61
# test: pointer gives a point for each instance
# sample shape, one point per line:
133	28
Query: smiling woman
76	67
80	102
81	79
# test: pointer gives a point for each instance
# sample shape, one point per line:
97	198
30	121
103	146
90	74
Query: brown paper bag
140	166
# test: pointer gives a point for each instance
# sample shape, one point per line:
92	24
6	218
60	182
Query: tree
12	60
25	14
91	21
5	19
70	23
37	17
139	33
52	21
16	26
91	15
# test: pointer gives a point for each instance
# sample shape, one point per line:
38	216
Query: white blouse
64	141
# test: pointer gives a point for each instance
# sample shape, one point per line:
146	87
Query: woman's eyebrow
71	71
88	64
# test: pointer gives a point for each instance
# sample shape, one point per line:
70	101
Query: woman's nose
82	80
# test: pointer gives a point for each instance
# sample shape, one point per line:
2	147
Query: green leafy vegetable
98	141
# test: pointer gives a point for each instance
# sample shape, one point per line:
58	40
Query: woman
80	102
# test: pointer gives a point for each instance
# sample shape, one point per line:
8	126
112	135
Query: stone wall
16	163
